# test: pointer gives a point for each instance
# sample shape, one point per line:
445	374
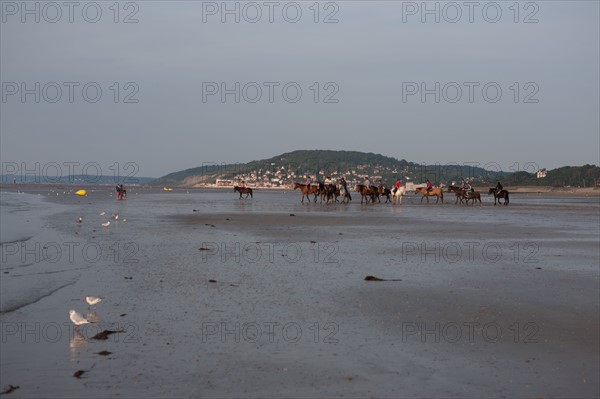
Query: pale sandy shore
267	298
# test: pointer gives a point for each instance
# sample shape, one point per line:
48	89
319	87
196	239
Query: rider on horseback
499	187
429	185
397	185
467	187
243	184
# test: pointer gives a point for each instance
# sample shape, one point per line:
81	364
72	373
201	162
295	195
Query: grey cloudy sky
375	61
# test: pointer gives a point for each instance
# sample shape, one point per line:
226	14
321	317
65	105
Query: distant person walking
345	185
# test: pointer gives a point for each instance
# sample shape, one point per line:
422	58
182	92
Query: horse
385	192
397	195
466	195
498	195
243	190
473	196
345	194
328	191
426	194
307	190
366	192
459	192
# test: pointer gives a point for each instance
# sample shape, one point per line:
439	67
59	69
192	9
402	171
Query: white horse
344	194
397	196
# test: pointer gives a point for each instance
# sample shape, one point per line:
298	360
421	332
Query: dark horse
329	192
367	192
473	196
307	190
243	190
385	192
459	192
464	194
498	195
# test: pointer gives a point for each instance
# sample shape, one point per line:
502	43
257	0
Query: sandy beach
267	297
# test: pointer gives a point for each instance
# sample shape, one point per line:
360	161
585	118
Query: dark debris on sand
373	278
78	373
104	334
9	389
104	353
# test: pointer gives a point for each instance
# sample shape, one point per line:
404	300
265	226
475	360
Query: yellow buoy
81	193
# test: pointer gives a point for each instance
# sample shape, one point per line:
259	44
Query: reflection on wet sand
76	343
93	317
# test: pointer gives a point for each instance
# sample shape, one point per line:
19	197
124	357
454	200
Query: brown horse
367	192
307	190
498	195
473	196
466	195
243	190
459	192
437	192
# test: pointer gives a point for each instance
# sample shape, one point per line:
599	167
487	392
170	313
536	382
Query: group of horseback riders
329	187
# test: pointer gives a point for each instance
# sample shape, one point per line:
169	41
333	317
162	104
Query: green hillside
295	166
574	176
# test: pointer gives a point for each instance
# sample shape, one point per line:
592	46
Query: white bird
106	224
93	300
103	213
77	318
79	220
117	216
124	220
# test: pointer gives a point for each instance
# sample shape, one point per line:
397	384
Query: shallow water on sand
289	313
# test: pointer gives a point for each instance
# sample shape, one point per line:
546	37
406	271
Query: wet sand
493	301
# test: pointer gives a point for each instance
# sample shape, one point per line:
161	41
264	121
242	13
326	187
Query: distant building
224	182
410	186
541	173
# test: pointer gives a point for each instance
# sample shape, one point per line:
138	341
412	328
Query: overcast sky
370	68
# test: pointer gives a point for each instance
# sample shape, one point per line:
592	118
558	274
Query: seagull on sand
77	318
106	224
79	220
93	300
103	213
